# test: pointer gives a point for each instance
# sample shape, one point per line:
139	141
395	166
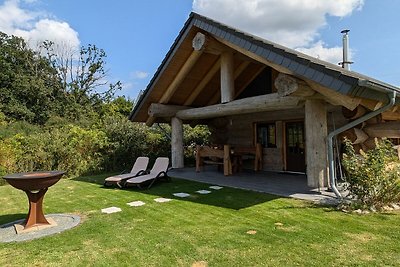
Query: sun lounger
139	168
159	171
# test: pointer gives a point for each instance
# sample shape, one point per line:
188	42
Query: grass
211	228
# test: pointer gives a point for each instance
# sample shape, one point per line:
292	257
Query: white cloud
35	27
127	85
139	75
291	23
319	50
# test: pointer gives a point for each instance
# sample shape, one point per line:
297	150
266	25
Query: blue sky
136	35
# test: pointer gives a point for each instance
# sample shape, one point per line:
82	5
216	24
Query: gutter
391	94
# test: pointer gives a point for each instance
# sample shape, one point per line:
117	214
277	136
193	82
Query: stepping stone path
181	194
216	187
162	200
110	210
136	203
203	192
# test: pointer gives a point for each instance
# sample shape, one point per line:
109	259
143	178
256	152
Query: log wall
240	131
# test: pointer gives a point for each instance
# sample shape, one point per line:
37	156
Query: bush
111	144
69	148
373	176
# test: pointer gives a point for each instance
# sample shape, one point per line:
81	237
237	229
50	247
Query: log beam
254	56
355	136
371	104
214	69
289	85
390	116
164	111
390	129
261	103
316	152
335	98
201	42
177	156
180	76
355	113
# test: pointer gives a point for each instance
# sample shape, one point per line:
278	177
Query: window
266	134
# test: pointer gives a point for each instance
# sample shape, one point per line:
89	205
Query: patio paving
276	183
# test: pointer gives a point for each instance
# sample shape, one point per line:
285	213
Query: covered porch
276	183
252	92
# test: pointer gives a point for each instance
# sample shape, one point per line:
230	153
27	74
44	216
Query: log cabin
249	90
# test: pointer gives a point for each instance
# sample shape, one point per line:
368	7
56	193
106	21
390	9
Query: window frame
267	143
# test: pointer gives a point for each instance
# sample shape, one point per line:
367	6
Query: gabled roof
298	64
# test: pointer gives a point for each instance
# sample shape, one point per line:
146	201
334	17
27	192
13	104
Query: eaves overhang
298	64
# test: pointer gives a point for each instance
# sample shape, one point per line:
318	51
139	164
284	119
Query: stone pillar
177	156
227	77
316	131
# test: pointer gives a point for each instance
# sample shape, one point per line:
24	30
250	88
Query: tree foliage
29	86
83	76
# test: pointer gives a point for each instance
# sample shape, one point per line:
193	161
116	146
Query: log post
227	160
227	78
177	143
316	151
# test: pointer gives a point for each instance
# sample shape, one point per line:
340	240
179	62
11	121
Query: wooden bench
214	156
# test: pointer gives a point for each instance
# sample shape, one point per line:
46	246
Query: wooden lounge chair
159	171
139	168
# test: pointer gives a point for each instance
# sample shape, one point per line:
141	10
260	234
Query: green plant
211	228
373	176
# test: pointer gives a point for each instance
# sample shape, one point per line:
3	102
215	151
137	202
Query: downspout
332	178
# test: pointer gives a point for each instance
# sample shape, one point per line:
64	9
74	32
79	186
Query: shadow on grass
226	197
5	219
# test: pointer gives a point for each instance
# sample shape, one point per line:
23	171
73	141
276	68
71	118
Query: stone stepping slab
136	203
111	210
216	187
203	192
181	194
162	200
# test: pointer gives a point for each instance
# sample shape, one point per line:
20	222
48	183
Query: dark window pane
266	134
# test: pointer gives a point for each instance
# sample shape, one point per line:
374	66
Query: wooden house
249	90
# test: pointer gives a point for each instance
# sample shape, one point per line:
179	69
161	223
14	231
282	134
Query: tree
29	85
82	74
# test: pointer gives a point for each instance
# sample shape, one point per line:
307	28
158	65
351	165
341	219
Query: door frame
284	143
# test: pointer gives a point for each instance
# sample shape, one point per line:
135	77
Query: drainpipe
332	178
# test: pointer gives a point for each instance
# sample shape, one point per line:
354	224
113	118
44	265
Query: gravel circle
64	222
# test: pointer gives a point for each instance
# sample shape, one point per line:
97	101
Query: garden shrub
110	144
373	176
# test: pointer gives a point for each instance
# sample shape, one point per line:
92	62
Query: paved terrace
276	183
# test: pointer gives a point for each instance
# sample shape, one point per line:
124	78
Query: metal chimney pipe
345	63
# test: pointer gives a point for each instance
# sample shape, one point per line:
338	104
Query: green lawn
210	228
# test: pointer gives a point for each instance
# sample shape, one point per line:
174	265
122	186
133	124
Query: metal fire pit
35	185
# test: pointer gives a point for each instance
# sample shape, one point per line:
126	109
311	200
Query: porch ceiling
203	75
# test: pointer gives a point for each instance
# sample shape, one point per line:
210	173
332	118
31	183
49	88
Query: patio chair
139	168
159	171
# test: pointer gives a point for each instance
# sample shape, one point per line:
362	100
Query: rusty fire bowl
31	181
35	185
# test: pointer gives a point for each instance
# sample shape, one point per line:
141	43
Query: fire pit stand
35	185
